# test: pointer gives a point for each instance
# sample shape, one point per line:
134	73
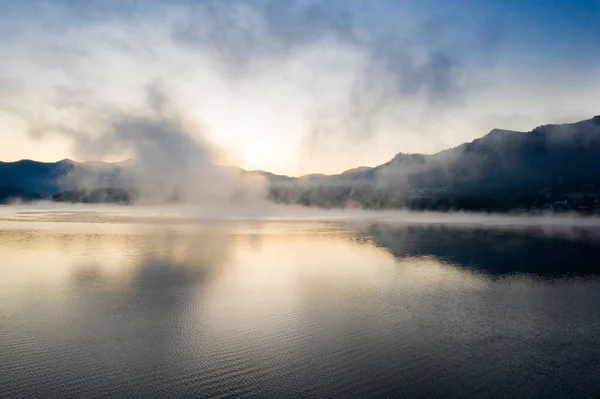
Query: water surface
94	305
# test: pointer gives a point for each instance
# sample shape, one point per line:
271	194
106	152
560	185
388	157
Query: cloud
172	158
292	86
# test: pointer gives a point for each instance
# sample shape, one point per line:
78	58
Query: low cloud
172	160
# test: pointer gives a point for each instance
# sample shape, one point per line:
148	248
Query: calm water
93	306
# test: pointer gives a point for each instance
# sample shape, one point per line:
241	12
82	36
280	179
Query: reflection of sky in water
282	307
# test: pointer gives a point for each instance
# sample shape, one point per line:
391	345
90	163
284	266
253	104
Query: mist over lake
145	302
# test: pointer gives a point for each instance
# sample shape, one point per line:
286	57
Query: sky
293	86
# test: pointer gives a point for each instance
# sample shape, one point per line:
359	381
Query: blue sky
294	86
553	33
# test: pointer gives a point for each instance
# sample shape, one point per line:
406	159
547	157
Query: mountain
8	194
33	177
96	196
500	171
31	180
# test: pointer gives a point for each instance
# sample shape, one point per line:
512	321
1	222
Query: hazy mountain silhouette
96	196
502	170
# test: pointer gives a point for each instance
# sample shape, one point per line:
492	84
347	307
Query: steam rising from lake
263	211
173	160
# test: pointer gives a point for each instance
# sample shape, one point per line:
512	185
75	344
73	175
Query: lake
99	304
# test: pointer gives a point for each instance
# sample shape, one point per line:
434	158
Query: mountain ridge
497	171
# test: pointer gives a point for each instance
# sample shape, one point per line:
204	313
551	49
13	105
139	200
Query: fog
262	211
172	160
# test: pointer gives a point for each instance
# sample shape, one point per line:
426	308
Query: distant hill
501	171
9	194
33	177
30	180
109	195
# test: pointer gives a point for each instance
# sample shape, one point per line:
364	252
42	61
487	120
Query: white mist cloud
172	161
